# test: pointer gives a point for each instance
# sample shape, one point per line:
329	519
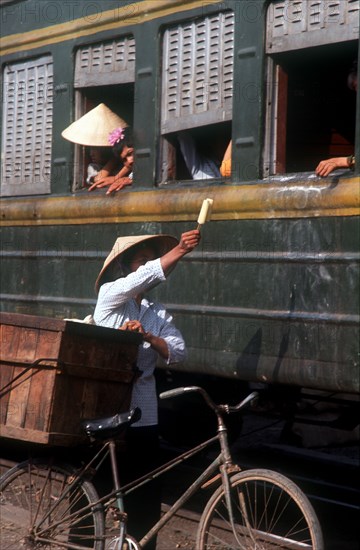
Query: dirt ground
180	532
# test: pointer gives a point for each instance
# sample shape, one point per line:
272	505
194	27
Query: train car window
197	89
104	73
27	127
310	48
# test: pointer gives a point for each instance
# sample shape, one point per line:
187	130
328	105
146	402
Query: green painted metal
264	300
269	300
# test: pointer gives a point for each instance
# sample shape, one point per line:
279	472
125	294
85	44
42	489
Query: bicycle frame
258	505
194	487
221	464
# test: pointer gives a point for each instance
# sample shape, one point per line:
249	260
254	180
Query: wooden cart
54	373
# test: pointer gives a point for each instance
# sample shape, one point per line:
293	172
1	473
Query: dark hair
126	141
104	150
130	253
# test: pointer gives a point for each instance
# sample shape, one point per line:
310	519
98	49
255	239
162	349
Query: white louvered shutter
105	63
197	74
294	24
27	127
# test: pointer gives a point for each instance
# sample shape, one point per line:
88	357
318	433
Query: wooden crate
54	373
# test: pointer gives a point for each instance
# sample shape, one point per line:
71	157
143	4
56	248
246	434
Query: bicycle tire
269	511
42	506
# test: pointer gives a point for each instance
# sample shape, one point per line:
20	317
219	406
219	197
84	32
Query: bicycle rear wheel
42	505
269	511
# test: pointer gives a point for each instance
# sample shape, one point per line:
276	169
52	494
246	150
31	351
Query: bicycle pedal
115	516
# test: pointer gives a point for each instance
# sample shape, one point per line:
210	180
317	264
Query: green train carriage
272	295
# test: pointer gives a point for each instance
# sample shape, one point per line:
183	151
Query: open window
196	96
104	73
310	109
27	127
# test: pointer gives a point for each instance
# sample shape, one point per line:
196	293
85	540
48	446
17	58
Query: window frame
282	40
218	101
117	72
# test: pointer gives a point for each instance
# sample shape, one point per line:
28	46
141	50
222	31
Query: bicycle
59	507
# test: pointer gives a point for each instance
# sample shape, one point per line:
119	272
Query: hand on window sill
102	180
325	167
119	184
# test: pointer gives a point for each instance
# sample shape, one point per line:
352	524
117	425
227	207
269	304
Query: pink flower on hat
115	136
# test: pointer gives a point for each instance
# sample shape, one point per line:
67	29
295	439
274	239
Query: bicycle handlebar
217	408
245	401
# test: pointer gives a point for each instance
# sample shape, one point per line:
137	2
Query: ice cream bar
210	203
205	212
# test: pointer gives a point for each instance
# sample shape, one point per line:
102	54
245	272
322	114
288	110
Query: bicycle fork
227	469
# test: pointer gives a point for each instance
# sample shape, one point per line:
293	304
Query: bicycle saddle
111	426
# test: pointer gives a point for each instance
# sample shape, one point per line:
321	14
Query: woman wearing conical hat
135	265
100	129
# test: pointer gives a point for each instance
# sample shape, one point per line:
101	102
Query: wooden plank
98	373
23	434
28	339
39	436
71	328
18	395
42	385
18	398
90	351
32	321
90	399
9	343
27	350
103	334
40	399
68	404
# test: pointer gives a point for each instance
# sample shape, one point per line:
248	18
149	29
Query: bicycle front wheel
268	511
43	506
129	544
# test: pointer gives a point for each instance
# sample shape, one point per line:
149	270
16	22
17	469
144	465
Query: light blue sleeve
115	293
174	340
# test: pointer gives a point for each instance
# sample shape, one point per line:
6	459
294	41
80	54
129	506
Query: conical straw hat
163	244
94	127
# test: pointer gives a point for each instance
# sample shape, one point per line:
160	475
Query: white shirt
200	168
116	304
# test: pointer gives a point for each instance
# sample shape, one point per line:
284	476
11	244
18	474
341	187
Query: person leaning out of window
325	167
121	140
109	144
